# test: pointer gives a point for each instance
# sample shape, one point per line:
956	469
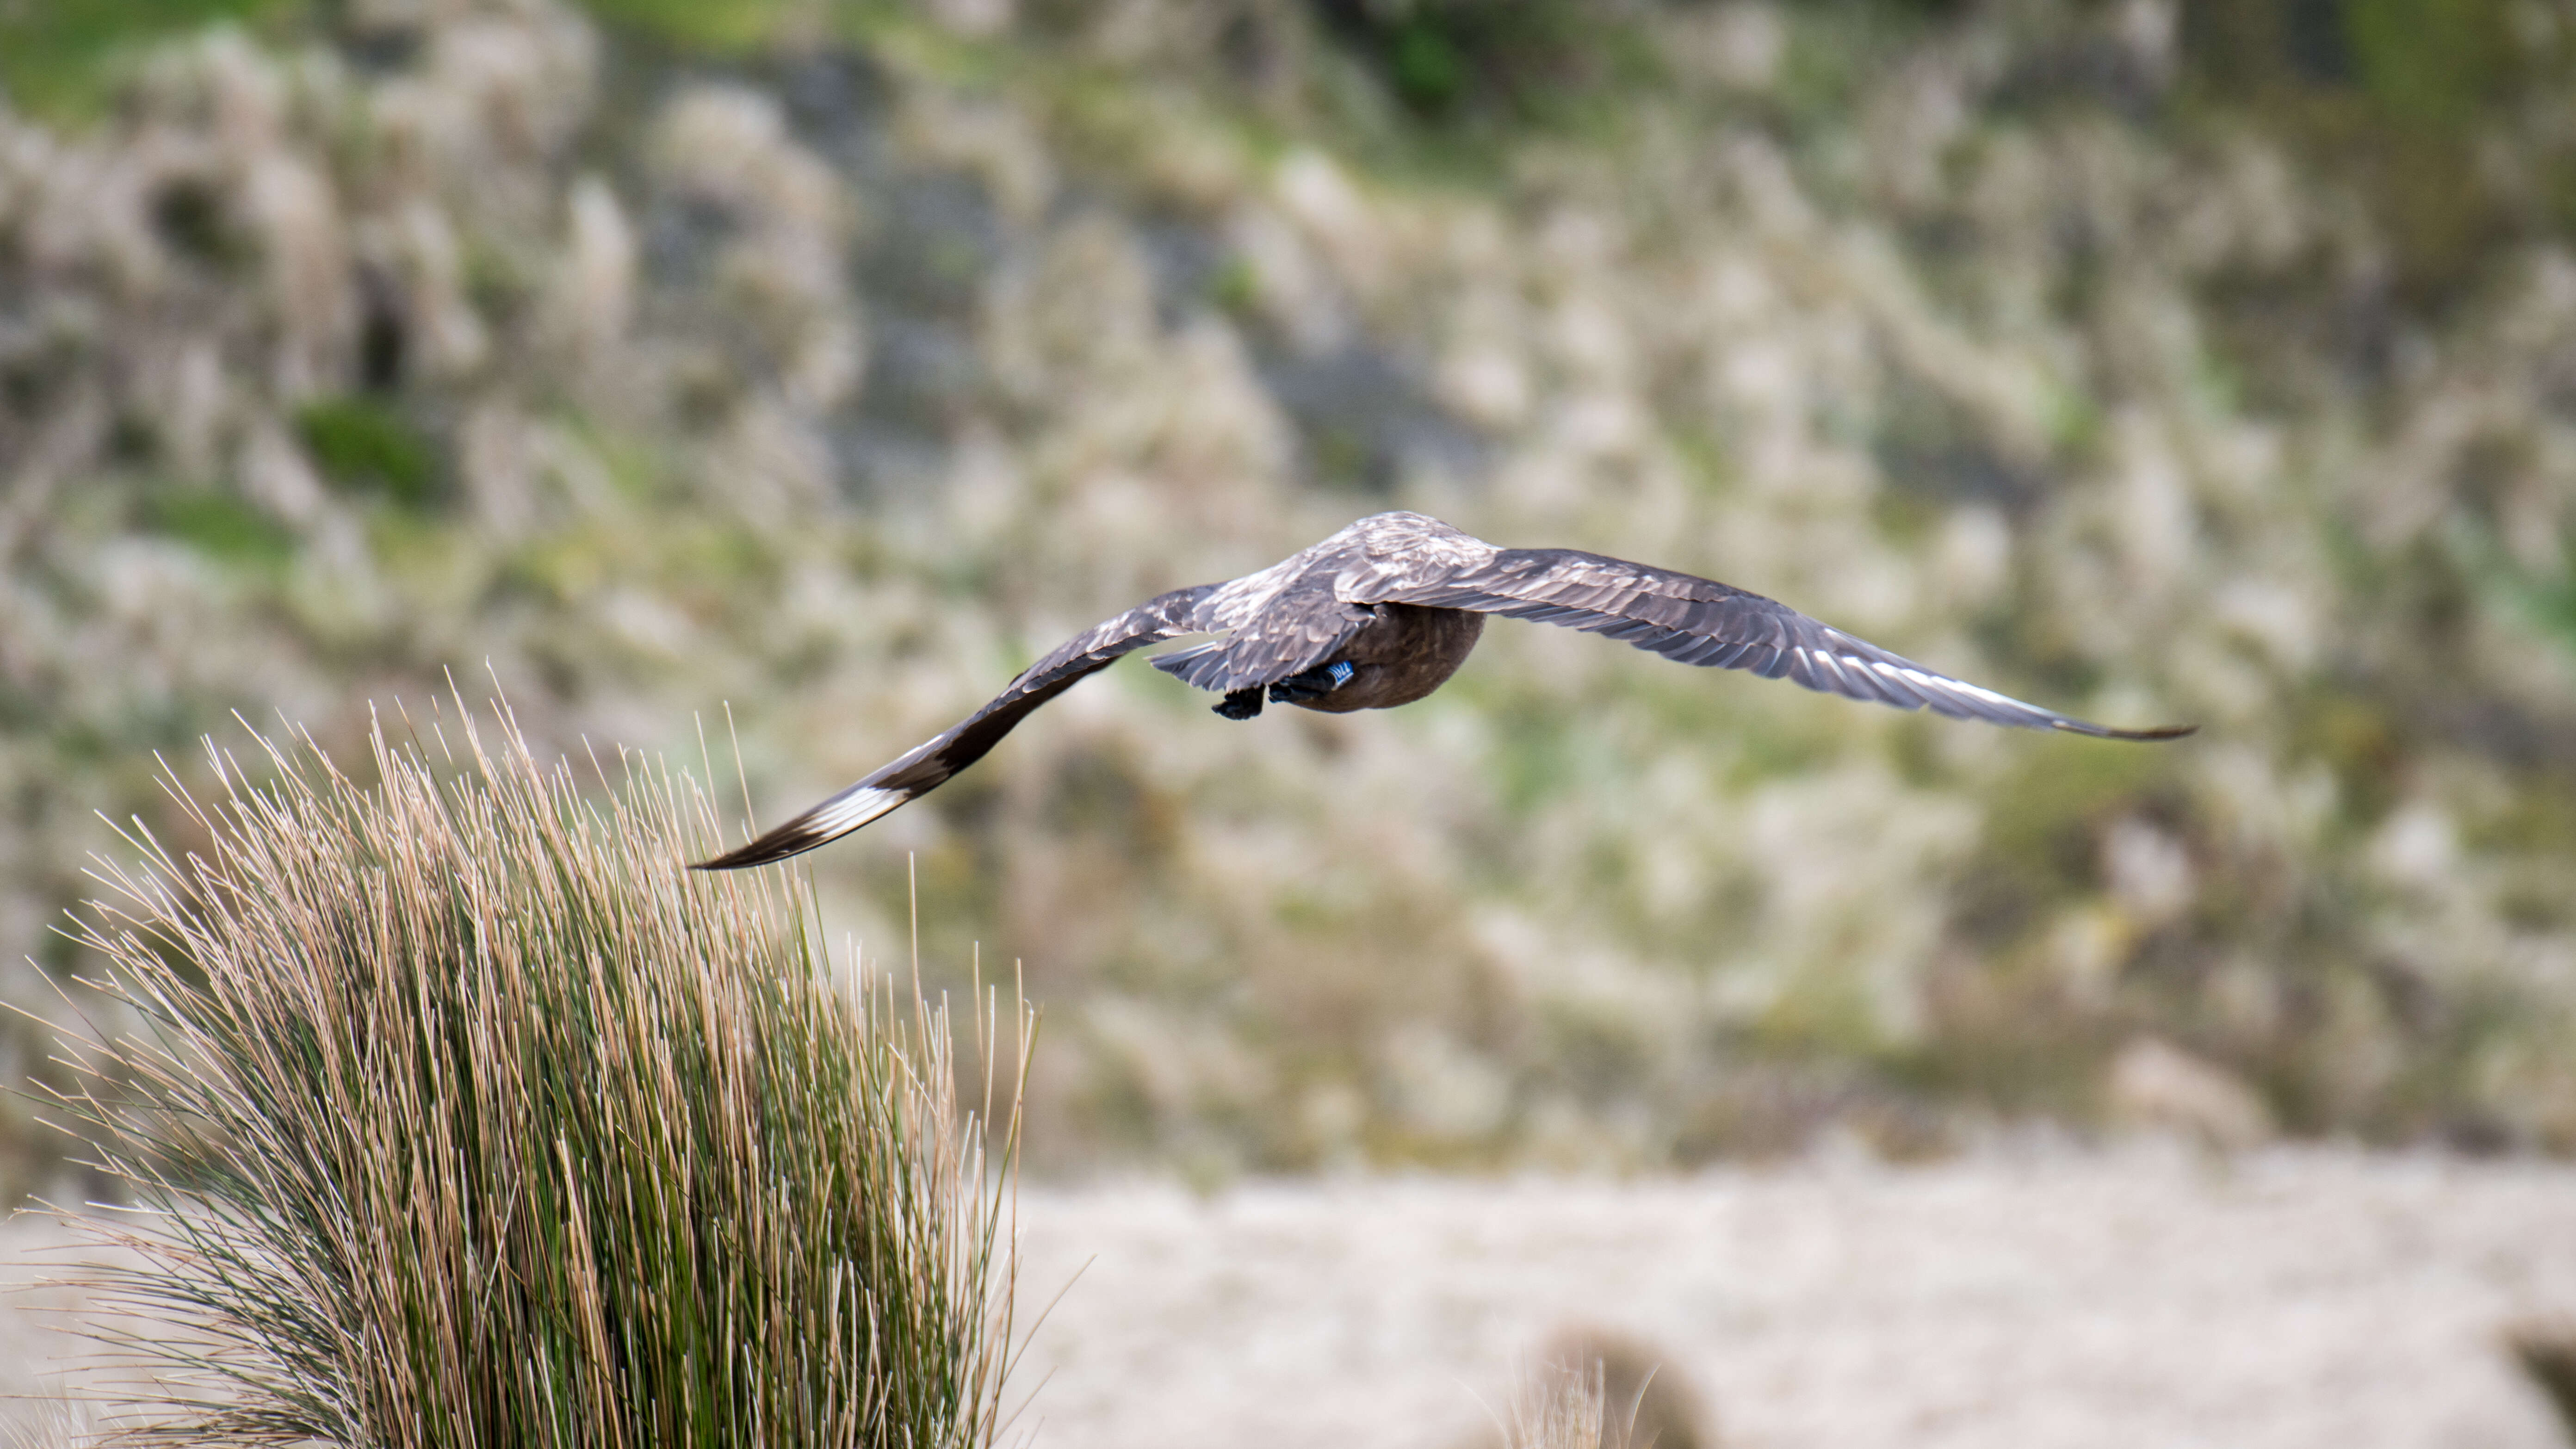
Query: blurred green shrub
365	446
2399	96
53	53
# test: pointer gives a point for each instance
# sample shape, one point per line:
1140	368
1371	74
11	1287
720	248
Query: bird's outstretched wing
1700	621
926	766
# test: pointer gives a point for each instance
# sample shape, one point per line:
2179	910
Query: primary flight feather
1381	614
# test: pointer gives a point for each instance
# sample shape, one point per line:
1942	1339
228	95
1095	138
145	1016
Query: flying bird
1381	614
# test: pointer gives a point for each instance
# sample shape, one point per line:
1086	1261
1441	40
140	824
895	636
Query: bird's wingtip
794	838
821	825
2158	732
759	852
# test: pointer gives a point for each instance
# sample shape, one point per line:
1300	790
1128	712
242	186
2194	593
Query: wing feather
926	766
1297	627
1716	626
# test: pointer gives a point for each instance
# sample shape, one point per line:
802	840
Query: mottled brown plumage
1400	656
1381	614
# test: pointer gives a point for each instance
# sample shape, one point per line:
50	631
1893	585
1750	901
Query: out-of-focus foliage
57	54
836	361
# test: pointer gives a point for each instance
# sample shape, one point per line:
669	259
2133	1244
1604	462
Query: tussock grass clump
2546	1350
1592	1388
1559	1406
466	1117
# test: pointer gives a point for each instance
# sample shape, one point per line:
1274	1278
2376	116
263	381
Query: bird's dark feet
1241	704
1313	684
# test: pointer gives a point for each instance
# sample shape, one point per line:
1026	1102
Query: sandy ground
2315	1299
2319	1299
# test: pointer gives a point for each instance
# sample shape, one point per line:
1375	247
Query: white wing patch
850	810
1960	686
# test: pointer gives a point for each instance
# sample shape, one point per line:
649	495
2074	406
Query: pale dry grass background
45	1359
2147	1298
2135	1299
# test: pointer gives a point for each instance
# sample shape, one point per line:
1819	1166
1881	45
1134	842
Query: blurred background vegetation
830	360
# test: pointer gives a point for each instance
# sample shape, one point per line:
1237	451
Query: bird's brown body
1382	613
1402	655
